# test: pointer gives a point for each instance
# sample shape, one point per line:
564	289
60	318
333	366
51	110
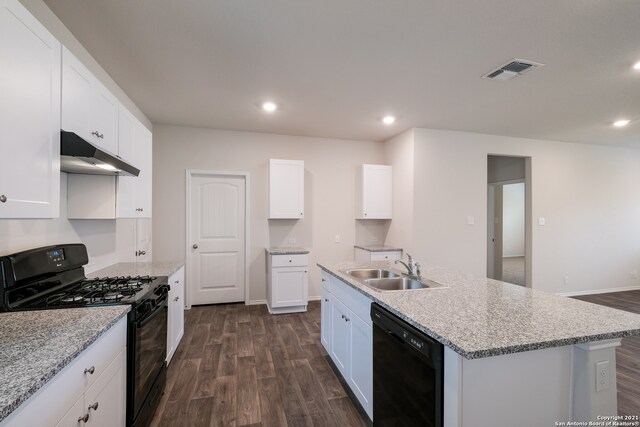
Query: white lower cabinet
325	319
175	318
346	333
287	283
90	391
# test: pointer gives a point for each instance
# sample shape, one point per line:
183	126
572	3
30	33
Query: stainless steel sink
387	280
400	284
370	273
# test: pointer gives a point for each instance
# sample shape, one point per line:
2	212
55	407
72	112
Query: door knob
3	198
195	246
142	252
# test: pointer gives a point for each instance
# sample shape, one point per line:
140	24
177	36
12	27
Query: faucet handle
410	259
418	273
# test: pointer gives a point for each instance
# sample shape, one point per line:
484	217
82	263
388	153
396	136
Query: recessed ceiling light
621	123
388	120
269	106
636	66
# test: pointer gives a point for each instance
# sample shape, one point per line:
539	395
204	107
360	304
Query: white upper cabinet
134	193
88	108
286	189
374	197
29	116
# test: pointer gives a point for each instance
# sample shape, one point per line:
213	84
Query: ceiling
336	67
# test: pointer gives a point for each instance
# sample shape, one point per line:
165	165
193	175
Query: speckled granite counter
36	345
138	269
377	248
286	251
483	317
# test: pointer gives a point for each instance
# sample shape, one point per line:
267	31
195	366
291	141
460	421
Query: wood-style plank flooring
628	354
238	365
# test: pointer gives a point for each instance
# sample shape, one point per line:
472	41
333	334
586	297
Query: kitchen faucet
410	266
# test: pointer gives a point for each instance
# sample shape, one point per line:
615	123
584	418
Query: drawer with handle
297	260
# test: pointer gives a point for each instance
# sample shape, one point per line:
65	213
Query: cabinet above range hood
78	155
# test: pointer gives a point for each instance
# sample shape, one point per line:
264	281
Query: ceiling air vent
514	68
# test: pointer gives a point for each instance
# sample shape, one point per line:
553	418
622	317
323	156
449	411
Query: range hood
78	155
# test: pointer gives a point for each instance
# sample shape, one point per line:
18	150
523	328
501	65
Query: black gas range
53	277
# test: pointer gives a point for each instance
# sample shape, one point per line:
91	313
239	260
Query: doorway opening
217	241
509	219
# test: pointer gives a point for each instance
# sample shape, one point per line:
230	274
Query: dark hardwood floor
628	354
238	365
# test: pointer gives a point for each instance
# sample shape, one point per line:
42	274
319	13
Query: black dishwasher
407	373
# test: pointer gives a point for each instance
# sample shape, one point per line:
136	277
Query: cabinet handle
343	316
300	213
3	198
90	370
84	418
290	260
195	246
346	319
176	298
97	134
326	300
365	214
305	271
93	406
323	280
176	282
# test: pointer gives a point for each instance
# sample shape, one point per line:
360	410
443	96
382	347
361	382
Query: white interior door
217	251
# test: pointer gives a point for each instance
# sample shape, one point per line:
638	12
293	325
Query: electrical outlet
602	376
565	280
292	241
337	238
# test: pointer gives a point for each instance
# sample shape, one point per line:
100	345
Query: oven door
150	346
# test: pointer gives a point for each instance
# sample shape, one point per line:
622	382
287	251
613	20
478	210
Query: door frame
528	213
216	173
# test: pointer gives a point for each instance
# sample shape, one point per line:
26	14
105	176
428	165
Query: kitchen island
513	356
38	348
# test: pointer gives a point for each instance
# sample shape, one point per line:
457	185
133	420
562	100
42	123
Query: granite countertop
377	248
36	345
479	317
138	269
286	251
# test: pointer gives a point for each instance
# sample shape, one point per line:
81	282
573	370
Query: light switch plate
471	220
541	221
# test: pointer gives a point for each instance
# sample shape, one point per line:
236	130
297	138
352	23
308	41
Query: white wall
513	220
399	154
588	194
330	167
107	241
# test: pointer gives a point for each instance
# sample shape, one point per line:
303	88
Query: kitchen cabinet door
77	87
75	415
361	362
104	118
29	116
325	320
105	400
289	286
286	189
144	181
126	191
88	108
374	195
175	327
340	336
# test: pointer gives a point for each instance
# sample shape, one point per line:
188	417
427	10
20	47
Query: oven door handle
158	309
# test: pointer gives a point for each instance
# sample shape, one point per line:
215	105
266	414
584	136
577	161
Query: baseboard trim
598	291
315	298
256	302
